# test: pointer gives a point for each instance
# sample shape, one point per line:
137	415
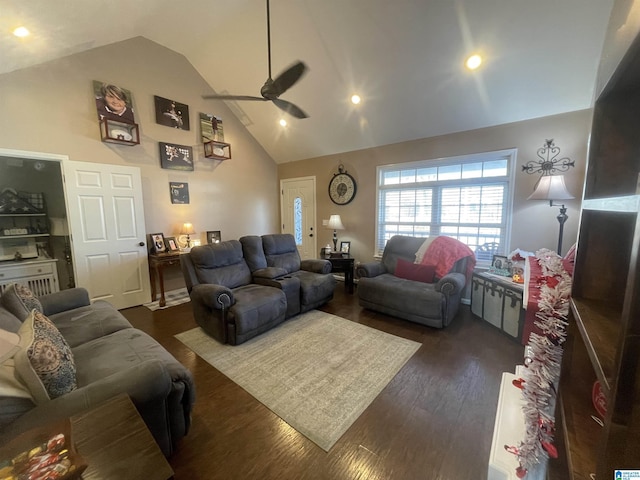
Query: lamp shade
187	229
551	187
335	223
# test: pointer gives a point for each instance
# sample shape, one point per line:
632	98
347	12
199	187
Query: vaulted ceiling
404	58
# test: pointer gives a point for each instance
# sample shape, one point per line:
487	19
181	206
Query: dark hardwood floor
433	421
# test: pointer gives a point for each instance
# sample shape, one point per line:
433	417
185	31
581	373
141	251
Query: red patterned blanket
444	252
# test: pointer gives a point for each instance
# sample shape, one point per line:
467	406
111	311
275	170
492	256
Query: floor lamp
552	187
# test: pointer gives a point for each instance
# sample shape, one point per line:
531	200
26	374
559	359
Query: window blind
467	198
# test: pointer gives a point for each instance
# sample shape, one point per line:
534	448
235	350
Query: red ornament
552	282
518	382
550	449
511	449
599	400
521	472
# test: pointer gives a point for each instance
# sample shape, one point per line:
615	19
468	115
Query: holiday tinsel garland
544	358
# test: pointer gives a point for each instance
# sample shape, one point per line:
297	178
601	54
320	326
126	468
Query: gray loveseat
432	304
241	289
111	357
274	260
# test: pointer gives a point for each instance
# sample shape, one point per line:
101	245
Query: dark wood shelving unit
599	326
603	340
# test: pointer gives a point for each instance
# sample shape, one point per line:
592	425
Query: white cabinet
40	275
509	430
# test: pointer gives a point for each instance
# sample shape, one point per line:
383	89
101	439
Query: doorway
94	223
298	213
37	179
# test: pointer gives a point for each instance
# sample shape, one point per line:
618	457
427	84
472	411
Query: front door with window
298	213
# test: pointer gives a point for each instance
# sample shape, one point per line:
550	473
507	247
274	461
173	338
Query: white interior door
106	219
298	213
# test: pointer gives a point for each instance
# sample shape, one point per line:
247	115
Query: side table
115	443
157	263
498	300
343	264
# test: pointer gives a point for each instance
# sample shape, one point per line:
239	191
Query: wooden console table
157	263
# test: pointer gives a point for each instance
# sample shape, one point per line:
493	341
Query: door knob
141	244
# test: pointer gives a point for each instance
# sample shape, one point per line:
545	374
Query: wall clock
342	187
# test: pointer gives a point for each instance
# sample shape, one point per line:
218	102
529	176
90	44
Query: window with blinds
468	198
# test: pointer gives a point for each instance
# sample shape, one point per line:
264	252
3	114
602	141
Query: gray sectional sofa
110	357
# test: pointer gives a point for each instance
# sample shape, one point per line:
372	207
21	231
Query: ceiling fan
272	89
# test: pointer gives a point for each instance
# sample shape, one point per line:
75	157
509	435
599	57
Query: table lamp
187	229
335	223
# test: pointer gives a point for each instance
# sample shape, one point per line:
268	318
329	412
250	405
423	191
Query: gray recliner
226	303
274	260
432	304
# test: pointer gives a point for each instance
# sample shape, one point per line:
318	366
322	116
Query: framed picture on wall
214	237
176	157
157	241
113	102
211	128
171	113
179	192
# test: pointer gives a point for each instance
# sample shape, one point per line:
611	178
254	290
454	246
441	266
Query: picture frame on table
214	236
171	244
345	247
500	262
157	242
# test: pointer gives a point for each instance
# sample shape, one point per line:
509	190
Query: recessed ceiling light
283	122
473	62
21	32
355	99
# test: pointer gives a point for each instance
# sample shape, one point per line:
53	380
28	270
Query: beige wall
50	108
534	222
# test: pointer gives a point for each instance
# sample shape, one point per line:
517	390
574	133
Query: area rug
318	372
172	297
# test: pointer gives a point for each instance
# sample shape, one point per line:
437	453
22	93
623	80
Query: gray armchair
226	304
432	304
274	260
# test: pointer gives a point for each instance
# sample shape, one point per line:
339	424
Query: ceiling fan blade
290	76
290	108
233	97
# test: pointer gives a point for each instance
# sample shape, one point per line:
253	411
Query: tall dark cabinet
604	334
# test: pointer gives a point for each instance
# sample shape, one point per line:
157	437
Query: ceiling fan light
473	62
21	32
355	99
283	122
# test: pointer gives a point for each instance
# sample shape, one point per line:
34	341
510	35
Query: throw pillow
19	300
415	271
44	362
